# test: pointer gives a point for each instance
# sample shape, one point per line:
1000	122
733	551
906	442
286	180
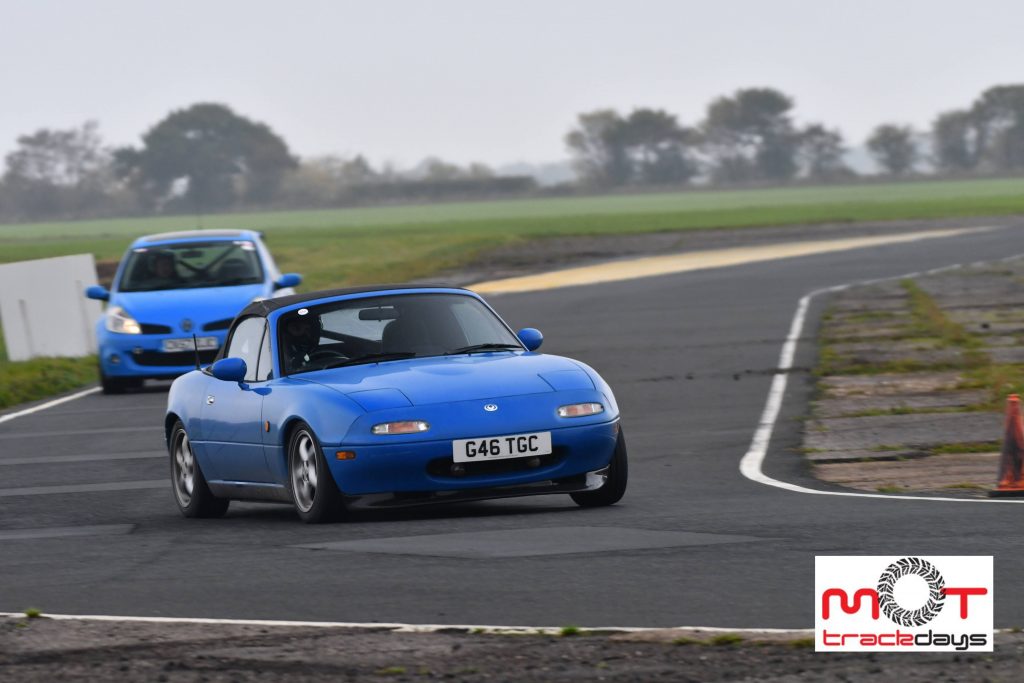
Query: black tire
614	486
118	385
314	493
197	501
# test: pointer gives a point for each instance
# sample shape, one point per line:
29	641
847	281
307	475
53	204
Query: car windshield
387	328
191	265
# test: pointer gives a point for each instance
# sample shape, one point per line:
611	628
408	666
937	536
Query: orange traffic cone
1011	477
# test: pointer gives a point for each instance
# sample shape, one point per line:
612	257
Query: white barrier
43	309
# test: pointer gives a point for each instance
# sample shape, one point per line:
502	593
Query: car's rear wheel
191	493
316	496
614	486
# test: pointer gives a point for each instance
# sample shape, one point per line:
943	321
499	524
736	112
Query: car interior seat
234	269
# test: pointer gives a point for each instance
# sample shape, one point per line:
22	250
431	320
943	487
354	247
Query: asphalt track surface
88	524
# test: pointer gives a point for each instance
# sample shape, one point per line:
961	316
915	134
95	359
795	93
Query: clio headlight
119	321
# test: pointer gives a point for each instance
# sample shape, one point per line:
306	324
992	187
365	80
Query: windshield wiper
369	358
491	346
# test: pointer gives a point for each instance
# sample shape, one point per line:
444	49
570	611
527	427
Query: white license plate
203	343
499	447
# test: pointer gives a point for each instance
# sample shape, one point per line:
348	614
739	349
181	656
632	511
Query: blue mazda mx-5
388	396
172	286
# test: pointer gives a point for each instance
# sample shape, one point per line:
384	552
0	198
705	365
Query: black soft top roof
267	306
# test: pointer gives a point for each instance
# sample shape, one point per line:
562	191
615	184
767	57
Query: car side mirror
229	369
531	338
288	280
97	292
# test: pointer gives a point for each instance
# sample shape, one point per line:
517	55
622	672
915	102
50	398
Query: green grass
569	631
33	613
348	246
41	377
38	378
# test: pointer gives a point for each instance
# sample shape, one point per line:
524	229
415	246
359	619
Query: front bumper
587	481
421	472
141	355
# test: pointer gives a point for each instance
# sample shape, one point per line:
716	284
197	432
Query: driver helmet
302	332
162	258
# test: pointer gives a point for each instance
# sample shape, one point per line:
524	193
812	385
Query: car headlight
580	409
406	427
119	321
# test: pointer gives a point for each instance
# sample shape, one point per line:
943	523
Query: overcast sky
488	81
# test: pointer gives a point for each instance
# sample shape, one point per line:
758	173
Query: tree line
750	137
206	158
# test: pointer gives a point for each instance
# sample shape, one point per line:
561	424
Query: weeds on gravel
391	671
33	613
830	362
904	410
802	643
930	321
966	447
683	640
726	639
890	488
999	379
569	631
929	328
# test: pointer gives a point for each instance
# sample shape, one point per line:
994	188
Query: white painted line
83	488
403	628
48	404
66	531
753	460
82	432
81	457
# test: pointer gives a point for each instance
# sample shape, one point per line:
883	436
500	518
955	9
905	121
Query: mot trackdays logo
903	603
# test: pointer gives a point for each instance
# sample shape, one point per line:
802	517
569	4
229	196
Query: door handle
210	400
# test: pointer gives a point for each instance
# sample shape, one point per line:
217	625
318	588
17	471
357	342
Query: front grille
153	328
442	467
175	359
218	325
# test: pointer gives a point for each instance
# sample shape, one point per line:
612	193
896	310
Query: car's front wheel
191	493
614	486
316	496
118	385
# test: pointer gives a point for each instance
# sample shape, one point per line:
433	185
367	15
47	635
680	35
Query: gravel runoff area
40	649
912	379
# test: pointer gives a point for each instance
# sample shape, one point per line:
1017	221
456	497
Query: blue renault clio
174	285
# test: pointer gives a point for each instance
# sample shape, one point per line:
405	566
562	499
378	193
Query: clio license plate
202	343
